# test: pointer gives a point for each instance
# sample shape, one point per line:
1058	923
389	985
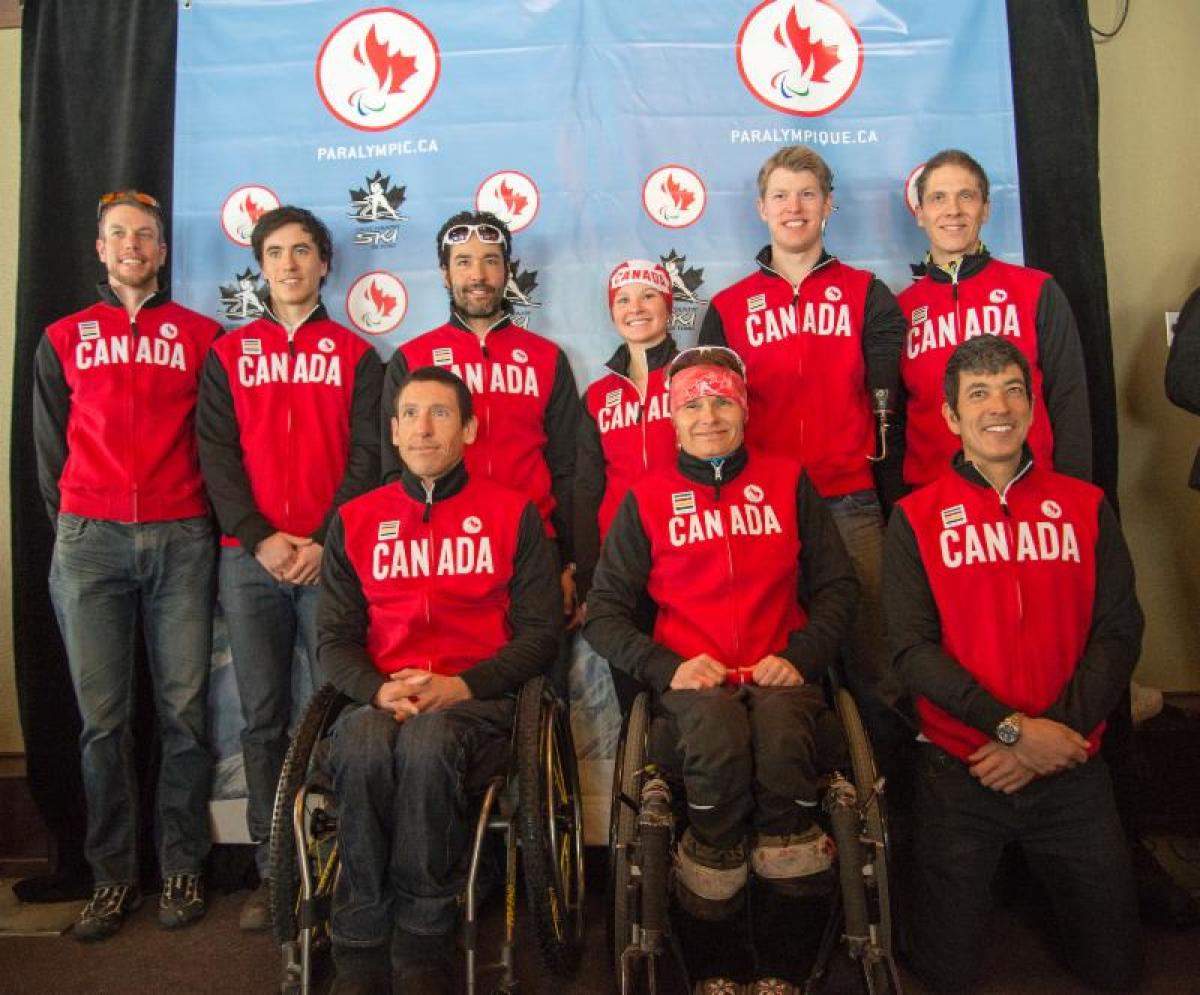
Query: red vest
805	371
1001	299
635	436
1014	589
510	374
724	572
131	427
292	403
436	591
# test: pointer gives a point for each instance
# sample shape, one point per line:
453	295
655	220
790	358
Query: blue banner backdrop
599	130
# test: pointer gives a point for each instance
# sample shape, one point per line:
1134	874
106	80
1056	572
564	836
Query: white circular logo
833	293
511	196
472	525
998	296
325	345
167	330
753	493
242	209
801	57
910	190
376	302
377	68
519	356
1051	509
674	196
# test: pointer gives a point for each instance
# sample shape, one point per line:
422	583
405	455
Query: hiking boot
182	900
110	906
256	910
709	880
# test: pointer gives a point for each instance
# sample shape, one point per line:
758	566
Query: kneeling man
439	600
1013	620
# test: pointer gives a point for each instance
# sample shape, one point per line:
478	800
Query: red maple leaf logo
384	303
391	70
816	58
253	210
678	193
514	203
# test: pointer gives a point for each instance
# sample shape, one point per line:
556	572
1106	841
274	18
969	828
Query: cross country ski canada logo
245	298
910	189
518	292
685	283
375	210
377	68
674	196
242	209
511	196
801	57
376	302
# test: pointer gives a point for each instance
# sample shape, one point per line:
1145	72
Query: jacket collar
457	321
316	314
970	472
446	486
656	357
764	262
156	299
704	471
968	266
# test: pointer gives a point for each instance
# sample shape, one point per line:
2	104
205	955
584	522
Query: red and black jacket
114	404
1016	601
813	354
742	559
288	426
526	403
622	437
985	296
457	579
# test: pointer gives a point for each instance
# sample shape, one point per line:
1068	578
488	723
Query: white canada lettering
497	378
305	367
816	318
990	543
744	520
148	352
626	413
452	556
941	331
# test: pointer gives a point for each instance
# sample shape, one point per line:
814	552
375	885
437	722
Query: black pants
1068	829
748	758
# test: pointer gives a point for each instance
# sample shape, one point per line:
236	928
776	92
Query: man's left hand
305	568
997	767
437	692
776	672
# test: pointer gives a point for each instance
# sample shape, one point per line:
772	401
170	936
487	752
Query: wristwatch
1008	730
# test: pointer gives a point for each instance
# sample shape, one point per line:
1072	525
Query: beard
491	307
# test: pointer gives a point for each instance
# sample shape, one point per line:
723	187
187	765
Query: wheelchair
646	824
535	804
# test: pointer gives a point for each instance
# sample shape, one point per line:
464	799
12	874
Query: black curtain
97	113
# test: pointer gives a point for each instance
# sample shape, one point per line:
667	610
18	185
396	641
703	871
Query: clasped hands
291	559
705	672
1045	747
410	691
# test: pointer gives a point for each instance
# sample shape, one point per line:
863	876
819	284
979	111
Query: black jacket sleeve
220	444
362	461
591	478
561	425
828	587
712	329
534	617
883	339
914	634
51	408
1114	641
1183	359
1064	383
342	656
612	604
389	459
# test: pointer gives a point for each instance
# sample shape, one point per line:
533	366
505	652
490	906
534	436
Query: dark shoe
718	986
361	971
709	880
109	907
182	900
771	986
256	910
1161	899
421	962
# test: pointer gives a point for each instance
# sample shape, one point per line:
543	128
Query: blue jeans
100	573
263	616
404	824
868	669
1067	827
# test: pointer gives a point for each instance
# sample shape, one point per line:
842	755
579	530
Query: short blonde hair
796	159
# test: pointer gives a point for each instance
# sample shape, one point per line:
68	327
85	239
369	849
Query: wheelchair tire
622	827
324	707
550	823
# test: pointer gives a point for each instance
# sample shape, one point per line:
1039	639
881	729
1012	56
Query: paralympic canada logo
513	197
377	68
242	209
376	302
801	57
674	196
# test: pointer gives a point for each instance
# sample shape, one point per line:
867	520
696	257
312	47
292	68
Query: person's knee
362	743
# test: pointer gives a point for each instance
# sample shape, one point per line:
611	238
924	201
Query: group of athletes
908	508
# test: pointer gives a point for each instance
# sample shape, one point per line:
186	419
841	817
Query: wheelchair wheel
550	813
320	824
622	827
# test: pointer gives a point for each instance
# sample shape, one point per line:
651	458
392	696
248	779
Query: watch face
1008	731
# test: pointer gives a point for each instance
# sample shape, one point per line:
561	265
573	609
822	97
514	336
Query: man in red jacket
1013	620
114	426
287	422
439	601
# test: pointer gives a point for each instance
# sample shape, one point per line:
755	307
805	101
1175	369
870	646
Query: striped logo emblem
443	356
756	303
389	530
920	314
684	503
89	330
954	516
612	397
251	347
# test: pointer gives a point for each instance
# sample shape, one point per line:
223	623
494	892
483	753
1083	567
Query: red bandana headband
707	381
640	271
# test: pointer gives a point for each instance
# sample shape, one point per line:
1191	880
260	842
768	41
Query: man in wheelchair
439	600
754	592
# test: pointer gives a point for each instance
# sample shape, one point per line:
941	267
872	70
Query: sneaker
793	856
256	910
109	907
182	900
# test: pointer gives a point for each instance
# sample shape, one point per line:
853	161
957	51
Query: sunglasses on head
705	351
487	233
123	195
